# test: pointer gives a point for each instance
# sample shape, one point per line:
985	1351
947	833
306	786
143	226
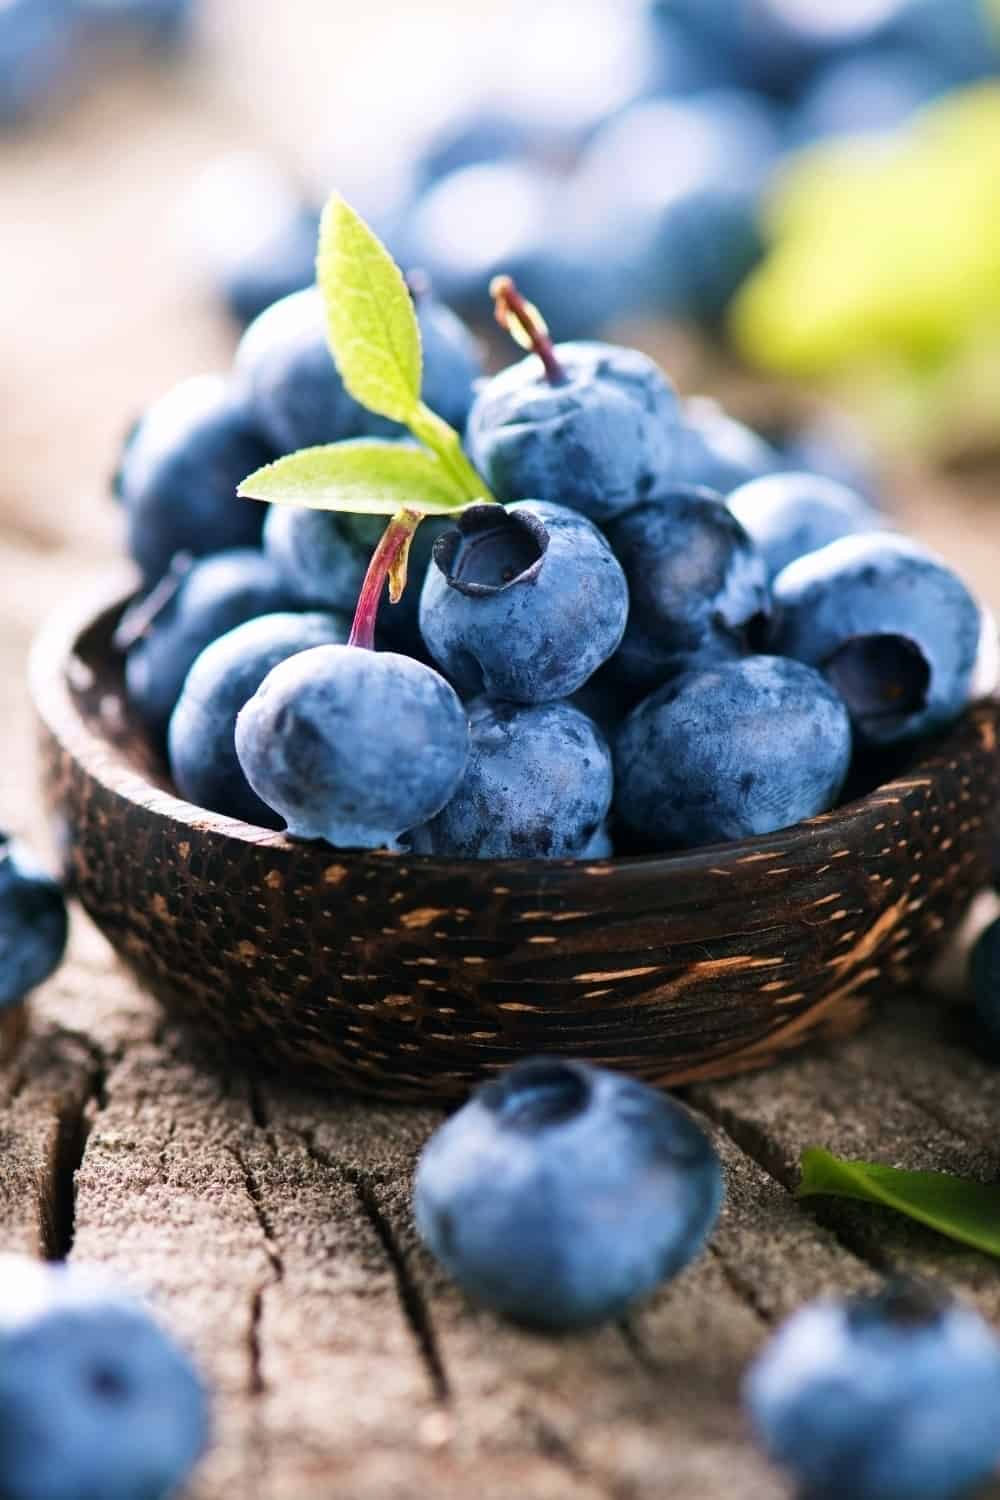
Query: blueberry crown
538	1093
491	549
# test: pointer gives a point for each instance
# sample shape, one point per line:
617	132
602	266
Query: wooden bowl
411	978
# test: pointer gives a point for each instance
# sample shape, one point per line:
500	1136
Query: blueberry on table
789	515
730	751
180	471
591	426
201	736
561	1194
892	1396
984	973
537	785
522	602
697	587
717	452
353	746
292	386
892	628
95	1398
33	924
214	595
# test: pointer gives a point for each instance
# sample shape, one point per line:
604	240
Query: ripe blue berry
894	1396
95	1399
596	432
294	389
37	40
729	751
791	514
892	628
522	602
353	746
716	452
180	471
865	93
201	736
683	238
984	972
537	785
33	923
215	595
697	587
561	1194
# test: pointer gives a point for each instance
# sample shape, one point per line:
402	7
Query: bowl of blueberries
540	712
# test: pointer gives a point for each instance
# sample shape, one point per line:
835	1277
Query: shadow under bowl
412	978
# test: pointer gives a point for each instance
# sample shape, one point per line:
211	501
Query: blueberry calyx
526	326
883	679
538	1093
491	549
904	1301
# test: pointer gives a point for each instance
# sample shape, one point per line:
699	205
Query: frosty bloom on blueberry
561	1194
33	923
789	515
95	1399
894	1396
523	602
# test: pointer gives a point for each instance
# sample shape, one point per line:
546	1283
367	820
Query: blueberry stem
525	325
388	563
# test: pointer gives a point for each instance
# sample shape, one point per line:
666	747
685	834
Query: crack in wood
74	1125
412	1301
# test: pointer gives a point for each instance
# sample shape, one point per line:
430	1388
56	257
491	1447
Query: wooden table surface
273	1225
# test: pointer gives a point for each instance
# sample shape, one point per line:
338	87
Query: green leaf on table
371	322
965	1211
363	476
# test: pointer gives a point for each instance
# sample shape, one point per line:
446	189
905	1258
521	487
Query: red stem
510	307
390	551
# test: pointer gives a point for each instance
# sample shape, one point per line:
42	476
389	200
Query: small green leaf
965	1211
364	476
371	322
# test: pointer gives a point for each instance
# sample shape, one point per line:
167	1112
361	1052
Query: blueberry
286	370
215	595
561	1194
224	677
697	587
290	383
353	746
717	452
496	218
95	1398
537	786
522	602
36	51
251	232
892	1396
984	973
830	444
892	628
957	36
470	137
33	924
789	515
596	432
668	192
180	471
731	751
874	91
323	557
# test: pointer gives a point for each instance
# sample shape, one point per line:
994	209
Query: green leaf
371	322
965	1211
364	476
